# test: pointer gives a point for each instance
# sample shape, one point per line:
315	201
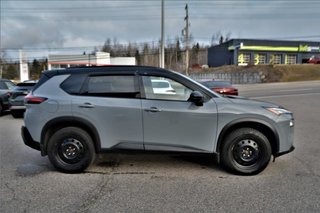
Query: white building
96	59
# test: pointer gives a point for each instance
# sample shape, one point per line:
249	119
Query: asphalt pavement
171	183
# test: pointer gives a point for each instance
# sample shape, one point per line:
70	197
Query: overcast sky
42	26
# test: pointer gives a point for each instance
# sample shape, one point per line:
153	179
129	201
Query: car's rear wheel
246	151
71	150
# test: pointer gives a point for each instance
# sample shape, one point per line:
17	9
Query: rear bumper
18	108
28	139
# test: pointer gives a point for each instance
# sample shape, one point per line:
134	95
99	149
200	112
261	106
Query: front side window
161	88
113	86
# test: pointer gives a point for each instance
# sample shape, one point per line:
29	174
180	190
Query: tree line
11	70
147	54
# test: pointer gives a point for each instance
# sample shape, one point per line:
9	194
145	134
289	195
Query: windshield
7	85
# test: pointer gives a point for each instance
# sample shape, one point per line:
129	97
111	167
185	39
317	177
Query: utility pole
162	65
187	39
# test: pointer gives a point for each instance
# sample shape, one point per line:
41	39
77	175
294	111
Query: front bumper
27	139
283	153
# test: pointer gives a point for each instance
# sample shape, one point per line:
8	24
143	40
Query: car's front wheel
246	151
71	150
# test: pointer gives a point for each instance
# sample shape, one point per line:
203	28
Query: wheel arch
67	121
264	127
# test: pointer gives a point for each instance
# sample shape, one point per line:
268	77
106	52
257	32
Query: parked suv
74	113
6	87
16	100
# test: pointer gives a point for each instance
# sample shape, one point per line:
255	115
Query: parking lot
171	183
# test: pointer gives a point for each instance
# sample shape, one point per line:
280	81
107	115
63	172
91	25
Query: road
171	183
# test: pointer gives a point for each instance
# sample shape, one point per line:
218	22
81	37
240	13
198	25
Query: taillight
30	99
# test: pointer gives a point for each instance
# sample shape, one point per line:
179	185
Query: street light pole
187	39
162	65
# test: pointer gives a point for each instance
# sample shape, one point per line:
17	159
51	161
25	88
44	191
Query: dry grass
302	72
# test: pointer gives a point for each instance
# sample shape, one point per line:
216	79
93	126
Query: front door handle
153	109
86	105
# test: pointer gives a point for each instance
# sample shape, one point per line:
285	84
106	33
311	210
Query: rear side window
73	84
121	86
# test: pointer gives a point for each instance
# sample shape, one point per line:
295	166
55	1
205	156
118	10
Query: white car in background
162	87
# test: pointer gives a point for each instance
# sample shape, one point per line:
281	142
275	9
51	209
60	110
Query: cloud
24	34
89	23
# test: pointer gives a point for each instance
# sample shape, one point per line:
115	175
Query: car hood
246	101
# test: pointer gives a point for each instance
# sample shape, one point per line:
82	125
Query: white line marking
294	90
280	96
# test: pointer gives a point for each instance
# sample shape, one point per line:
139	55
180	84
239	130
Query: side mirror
197	98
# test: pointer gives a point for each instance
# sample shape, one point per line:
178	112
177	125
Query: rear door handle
86	105
153	109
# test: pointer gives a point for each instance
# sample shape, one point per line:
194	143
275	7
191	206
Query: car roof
109	69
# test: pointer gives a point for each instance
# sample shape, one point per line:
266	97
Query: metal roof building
255	51
95	59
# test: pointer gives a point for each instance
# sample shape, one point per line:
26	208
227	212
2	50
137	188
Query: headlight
278	111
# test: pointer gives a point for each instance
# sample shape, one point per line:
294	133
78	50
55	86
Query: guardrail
234	78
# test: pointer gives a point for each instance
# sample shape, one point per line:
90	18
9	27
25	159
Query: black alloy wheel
246	151
71	150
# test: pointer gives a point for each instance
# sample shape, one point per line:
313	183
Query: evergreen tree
36	69
11	72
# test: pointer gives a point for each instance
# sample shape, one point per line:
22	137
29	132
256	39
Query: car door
112	104
172	123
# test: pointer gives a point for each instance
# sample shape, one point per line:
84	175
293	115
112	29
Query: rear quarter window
73	84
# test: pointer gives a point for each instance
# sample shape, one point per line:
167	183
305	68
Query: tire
246	151
17	114
1	108
71	150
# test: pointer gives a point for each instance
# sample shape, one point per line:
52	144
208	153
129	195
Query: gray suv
6	87
75	113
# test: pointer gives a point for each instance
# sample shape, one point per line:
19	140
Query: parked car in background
221	87
314	60
6	87
162	87
16	101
